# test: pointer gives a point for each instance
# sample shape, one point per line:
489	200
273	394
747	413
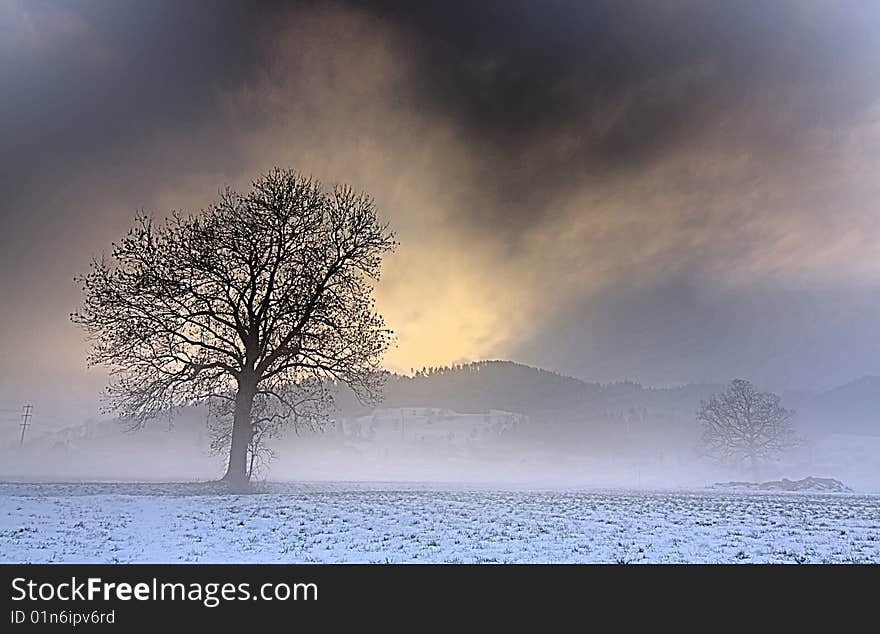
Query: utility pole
25	421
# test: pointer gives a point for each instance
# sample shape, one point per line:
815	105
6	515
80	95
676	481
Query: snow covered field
348	522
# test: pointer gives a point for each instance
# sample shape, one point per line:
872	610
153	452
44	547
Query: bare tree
260	300
743	426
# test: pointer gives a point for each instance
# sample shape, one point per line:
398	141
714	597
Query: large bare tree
743	426
257	304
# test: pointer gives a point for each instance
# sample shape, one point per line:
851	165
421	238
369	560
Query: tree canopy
262	298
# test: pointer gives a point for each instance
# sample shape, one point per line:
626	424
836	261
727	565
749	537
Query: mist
494	424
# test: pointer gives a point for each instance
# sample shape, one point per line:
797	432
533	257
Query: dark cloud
555	93
91	78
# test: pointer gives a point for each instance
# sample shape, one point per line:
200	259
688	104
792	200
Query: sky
666	192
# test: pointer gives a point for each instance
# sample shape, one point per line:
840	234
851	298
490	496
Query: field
348	522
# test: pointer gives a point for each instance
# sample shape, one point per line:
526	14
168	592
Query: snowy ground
422	523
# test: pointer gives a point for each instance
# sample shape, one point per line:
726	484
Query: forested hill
509	386
853	408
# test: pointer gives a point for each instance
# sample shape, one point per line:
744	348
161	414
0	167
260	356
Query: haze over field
495	423
645	200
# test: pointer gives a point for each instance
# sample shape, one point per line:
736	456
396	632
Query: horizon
10	419
53	413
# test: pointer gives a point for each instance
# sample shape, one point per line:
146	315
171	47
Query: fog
175	455
495	423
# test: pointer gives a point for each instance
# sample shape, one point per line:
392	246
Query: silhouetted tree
257	301
743	426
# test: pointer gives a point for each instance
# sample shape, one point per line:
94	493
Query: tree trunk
237	473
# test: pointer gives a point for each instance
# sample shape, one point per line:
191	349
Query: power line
25	421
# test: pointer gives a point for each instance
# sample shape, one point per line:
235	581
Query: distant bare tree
259	300
743	426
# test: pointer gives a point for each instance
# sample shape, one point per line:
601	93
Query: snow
351	522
